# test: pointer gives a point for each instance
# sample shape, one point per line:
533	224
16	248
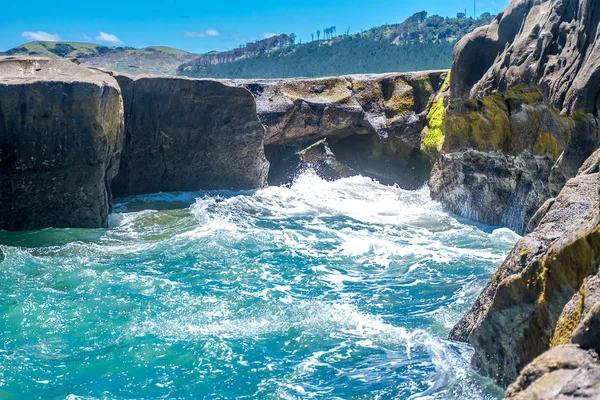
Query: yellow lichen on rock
510	122
367	91
434	134
567	323
320	90
401	102
547	144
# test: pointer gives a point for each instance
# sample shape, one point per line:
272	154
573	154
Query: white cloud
108	38
269	35
42	36
86	37
206	33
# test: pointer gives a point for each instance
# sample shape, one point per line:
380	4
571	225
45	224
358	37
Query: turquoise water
332	290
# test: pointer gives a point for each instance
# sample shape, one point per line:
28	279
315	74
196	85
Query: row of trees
328	33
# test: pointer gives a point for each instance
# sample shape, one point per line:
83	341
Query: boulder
318	158
563	373
61	133
187	134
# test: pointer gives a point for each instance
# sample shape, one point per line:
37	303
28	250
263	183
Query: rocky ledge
547	287
68	130
61	130
373	124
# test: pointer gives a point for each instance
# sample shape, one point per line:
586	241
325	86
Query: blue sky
201	26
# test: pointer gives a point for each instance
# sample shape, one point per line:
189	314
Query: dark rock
189	134
565	372
61	132
319	158
496	188
587	334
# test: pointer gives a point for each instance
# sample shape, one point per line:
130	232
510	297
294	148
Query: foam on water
339	289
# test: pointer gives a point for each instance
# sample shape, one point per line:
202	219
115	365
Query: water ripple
331	290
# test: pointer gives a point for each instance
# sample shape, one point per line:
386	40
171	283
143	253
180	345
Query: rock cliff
520	150
546	287
373	123
189	134
61	132
522	111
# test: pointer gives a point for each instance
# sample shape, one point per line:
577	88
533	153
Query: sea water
324	290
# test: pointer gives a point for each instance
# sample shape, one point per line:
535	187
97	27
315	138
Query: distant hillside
419	43
152	60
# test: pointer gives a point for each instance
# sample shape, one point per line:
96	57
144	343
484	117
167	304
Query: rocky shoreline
509	137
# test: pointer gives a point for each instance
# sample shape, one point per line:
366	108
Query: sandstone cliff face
524	95
61	132
189	134
374	123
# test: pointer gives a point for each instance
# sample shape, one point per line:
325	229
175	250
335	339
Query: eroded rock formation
189	134
522	110
61	132
520	150
373	123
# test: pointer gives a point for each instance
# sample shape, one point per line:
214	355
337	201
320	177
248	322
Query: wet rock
500	189
61	133
319	158
189	134
543	290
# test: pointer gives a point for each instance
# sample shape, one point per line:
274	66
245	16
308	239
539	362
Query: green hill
160	60
419	43
58	49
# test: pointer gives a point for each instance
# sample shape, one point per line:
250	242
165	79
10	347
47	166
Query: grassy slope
154	59
78	49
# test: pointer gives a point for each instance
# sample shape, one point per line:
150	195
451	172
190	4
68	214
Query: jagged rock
320	158
528	83
565	372
317	157
373	123
534	301
189	134
61	132
301	110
